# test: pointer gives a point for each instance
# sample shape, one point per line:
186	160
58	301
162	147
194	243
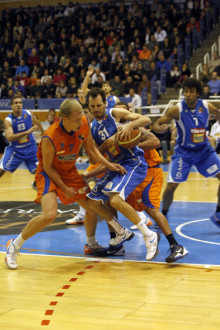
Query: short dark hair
193	83
121	103
106	83
96	92
15	96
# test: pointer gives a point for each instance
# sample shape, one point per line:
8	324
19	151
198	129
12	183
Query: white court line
120	260
178	230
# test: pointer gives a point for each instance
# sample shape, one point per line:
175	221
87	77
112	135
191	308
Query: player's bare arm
87	176
148	140
161	125
48	153
214	111
135	120
85	83
11	136
38	123
96	157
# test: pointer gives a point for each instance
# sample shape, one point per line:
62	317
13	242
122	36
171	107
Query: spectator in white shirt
97	74
135	99
160	34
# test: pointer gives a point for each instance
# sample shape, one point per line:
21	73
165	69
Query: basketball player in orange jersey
57	176
146	196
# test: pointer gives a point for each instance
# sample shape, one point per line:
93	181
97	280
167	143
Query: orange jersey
152	157
147	193
66	146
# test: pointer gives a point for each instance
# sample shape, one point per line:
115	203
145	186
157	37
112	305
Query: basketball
132	142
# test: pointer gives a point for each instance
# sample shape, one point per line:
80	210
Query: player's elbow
157	143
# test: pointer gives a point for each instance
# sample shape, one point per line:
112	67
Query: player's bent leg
160	220
151	238
177	251
92	247
48	215
49	212
168	196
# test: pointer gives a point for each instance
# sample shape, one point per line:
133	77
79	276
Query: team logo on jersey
81	137
198	135
25	116
200	110
212	169
67	158
105	116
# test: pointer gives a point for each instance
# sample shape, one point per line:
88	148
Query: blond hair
68	106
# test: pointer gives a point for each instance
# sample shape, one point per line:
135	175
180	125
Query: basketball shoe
94	249
11	255
111	251
78	219
215	218
120	239
176	252
152	244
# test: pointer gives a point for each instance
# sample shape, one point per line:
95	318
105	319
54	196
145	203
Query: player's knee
50	216
171	187
91	204
115	201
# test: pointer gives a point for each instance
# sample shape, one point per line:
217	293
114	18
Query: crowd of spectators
45	51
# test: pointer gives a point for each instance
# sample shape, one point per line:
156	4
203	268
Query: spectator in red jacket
59	75
33	59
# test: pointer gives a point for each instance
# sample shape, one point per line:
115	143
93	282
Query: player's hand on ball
125	132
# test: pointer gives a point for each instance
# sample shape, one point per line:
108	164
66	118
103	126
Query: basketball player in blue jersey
192	145
19	133
111	100
116	188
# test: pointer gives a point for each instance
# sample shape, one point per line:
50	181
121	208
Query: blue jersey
19	125
104	129
111	101
192	124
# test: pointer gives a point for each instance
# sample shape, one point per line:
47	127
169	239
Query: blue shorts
13	157
113	182
205	160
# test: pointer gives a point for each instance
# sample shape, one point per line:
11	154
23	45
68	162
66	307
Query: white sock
82	211
142	215
116	225
18	242
144	229
91	240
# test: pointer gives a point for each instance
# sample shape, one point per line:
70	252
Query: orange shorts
147	194
45	185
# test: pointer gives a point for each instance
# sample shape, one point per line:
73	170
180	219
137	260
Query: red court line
60	294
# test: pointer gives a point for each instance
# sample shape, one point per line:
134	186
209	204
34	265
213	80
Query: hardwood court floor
57	292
